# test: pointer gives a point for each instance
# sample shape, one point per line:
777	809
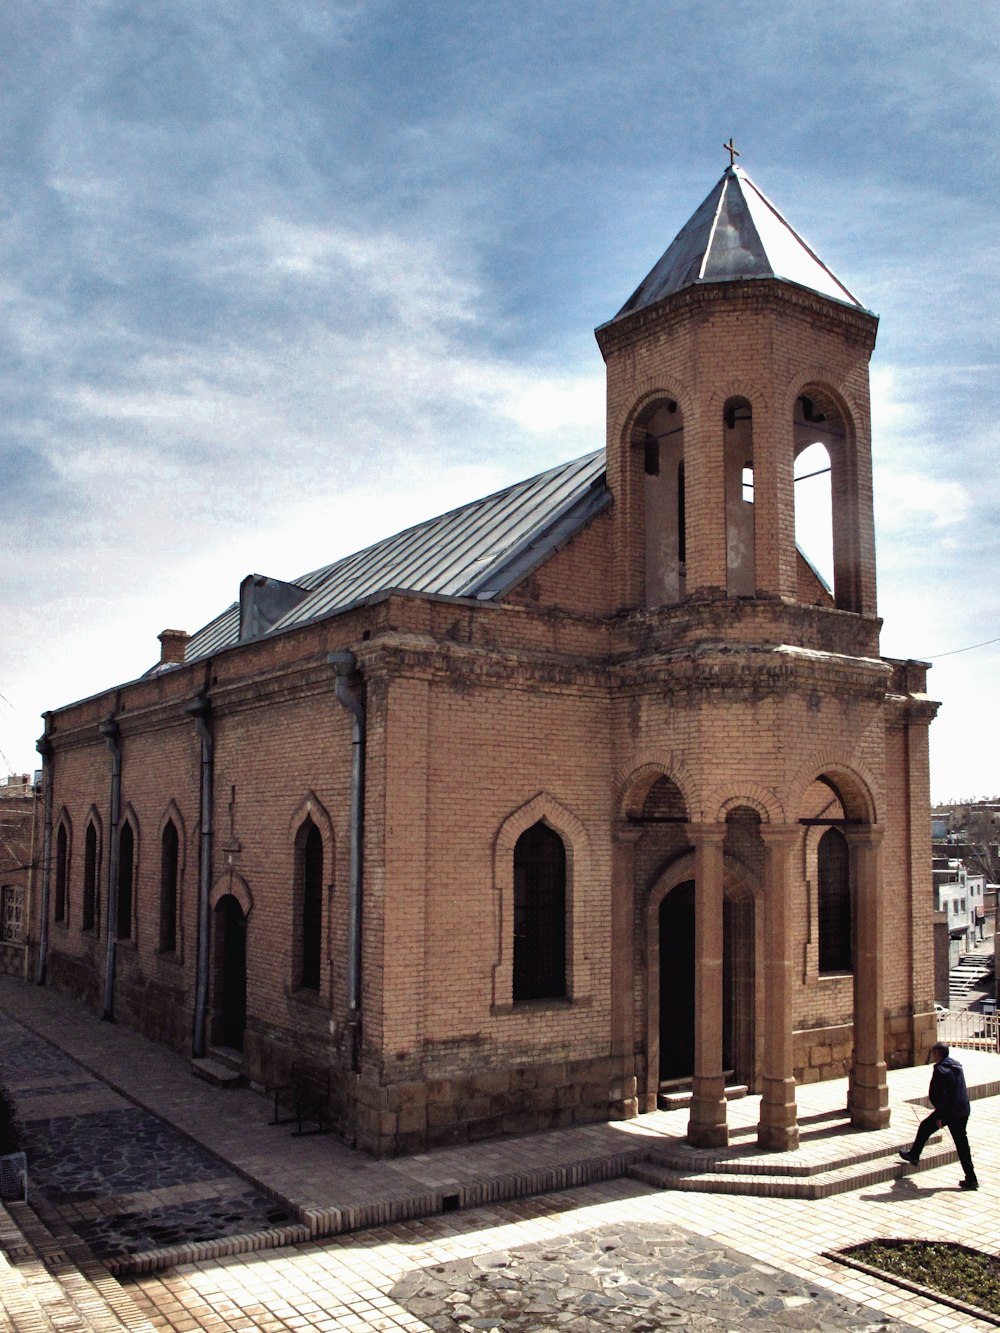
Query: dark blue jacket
948	1094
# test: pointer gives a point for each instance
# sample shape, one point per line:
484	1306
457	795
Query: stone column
708	1127
622	971
868	1093
778	1128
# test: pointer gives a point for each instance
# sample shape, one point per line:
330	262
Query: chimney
172	645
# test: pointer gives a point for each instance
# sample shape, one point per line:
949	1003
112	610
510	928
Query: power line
985	644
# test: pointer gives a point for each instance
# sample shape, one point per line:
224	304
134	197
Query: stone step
216	1072
674	1101
828	1180
50	1282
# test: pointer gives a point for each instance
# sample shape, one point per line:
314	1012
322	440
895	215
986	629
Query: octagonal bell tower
737	352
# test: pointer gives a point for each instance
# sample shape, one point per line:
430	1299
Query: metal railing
969	1030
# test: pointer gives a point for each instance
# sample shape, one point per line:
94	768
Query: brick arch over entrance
853	782
722	800
546	809
632	785
234	885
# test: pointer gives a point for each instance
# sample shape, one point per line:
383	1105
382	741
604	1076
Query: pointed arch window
309	906
539	914
61	905
836	953
90	874
169	872
126	881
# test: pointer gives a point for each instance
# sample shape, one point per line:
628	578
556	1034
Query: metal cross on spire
732	150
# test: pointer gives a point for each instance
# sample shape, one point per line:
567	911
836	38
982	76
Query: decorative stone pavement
124	1180
626	1278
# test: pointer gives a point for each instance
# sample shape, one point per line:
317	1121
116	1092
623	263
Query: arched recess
655	462
669	962
830	797
828	523
738	462
544	809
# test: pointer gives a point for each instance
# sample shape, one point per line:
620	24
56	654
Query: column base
708	1126
778	1130
868	1097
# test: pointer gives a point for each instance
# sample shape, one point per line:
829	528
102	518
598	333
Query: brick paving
610	1254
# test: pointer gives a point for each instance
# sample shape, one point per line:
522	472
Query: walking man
950	1098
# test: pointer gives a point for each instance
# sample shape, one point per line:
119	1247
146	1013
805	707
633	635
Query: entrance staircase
833	1158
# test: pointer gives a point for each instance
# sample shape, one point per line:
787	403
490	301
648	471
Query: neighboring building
579	792
962	897
20	832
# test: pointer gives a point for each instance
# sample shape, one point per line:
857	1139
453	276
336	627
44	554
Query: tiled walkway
612	1254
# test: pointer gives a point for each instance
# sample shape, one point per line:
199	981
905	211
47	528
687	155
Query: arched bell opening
826	500
737	436
658	450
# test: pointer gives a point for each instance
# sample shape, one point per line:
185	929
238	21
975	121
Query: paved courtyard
149	1187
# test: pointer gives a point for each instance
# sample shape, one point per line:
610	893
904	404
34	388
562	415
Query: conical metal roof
737	233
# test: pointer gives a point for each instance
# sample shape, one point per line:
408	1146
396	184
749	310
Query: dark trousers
957	1125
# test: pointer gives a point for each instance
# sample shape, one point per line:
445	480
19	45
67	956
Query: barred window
61	905
126	880
90	896
169	869
309	903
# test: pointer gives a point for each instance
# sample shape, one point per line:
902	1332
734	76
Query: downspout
111	732
349	689
201	710
44	748
30	892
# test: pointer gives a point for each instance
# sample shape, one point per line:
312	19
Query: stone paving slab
626	1278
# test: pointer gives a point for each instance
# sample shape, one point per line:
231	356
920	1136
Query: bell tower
739	351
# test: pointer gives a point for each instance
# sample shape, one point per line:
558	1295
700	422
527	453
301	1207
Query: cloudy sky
279	277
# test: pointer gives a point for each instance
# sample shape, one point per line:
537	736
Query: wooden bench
305	1098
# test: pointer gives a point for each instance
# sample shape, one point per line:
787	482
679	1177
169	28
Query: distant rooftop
735	234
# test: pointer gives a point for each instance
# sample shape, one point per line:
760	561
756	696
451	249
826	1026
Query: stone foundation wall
825	1052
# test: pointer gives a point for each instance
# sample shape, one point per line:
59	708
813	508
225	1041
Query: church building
540	811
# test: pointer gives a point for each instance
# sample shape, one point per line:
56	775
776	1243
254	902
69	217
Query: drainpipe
200	710
44	748
349	690
111	732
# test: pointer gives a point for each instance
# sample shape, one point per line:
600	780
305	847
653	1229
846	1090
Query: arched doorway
676	986
230	973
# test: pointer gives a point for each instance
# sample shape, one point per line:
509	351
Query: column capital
780	835
706	835
864	835
625	833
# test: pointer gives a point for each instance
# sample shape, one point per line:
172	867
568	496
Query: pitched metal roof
478	550
736	233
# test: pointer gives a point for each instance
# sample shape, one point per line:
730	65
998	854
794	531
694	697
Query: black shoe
968	1184
908	1157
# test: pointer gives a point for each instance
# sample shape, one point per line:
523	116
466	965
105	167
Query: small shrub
954	1270
11	1134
